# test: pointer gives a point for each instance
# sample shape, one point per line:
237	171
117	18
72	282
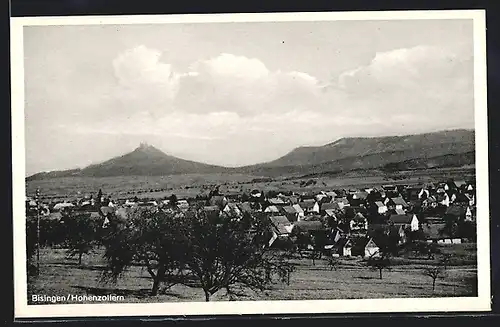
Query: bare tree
379	261
445	260
221	253
434	273
149	239
333	263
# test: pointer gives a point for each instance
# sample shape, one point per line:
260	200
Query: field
350	280
185	186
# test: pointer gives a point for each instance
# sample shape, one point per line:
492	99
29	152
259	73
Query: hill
439	149
407	147
146	160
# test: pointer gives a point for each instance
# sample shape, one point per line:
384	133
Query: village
350	222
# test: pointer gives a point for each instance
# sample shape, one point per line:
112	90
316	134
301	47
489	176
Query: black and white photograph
250	163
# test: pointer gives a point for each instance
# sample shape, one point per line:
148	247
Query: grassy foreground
350	280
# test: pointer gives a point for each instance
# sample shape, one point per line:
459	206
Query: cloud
233	109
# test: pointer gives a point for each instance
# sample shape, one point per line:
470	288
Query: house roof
107	210
298	208
401	219
331	205
343	242
331	212
244	207
276	201
399	201
289	209
360	195
281	224
280	220
272	209
307	204
400	211
379	204
307	226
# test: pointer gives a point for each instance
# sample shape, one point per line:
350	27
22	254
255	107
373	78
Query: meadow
351	279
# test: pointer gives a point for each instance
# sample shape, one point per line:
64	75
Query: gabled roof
282	220
399	201
400	211
281	224
276	201
107	210
360	195
401	219
298	208
331	212
343	242
307	226
289	209
379	204
272	209
244	207
331	205
307	204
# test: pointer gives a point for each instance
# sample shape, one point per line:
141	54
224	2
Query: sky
236	94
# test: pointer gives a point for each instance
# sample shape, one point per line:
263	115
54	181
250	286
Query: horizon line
147	144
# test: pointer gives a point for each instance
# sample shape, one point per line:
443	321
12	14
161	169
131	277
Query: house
290	213
309	207
399	232
308	226
358	198
331	213
342	202
399	211
184	205
435	233
423	194
396	203
371	249
381	207
216	200
300	211
343	247
245	207
272	210
358	223
232	207
365	247
468	215
281	226
442	198
328	206
407	221
276	202
412	193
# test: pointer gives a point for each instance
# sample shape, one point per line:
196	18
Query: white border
480	303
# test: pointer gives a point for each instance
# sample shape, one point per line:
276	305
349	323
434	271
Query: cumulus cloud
229	100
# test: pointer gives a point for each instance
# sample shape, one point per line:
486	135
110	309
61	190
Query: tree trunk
156	286
380	273
207	296
433	284
80	258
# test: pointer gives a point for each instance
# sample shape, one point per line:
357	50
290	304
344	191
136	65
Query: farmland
191	185
350	280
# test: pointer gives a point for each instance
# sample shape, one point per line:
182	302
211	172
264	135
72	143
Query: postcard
277	163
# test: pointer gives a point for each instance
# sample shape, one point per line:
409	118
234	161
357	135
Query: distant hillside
145	160
439	149
410	146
